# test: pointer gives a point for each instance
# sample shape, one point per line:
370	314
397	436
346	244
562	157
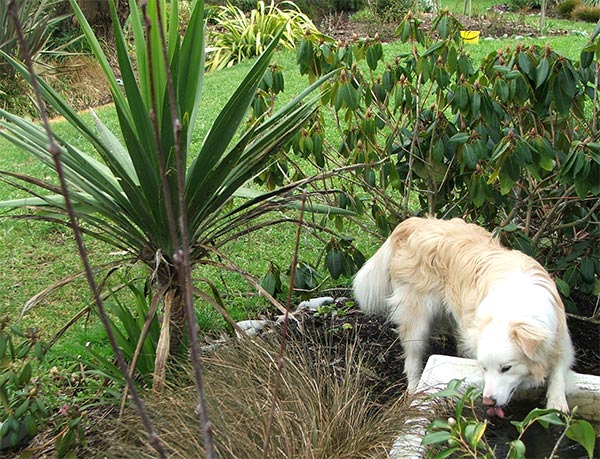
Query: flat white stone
315	303
441	369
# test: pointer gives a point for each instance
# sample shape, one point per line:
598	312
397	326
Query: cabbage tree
116	185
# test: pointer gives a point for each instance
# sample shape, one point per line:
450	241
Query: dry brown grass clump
81	81
326	409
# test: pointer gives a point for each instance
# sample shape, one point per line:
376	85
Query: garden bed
377	339
322	340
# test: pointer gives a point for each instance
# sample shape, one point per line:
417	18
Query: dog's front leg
414	324
558	385
413	365
556	393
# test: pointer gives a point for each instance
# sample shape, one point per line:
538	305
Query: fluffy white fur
505	306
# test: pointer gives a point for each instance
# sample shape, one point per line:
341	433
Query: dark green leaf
446	453
459	138
524	63
596	31
372	57
435	438
586	58
22	409
587	269
433	48
30	425
563	287
583	433
541	72
462	98
517	450
468	156
334	263
25	376
269	283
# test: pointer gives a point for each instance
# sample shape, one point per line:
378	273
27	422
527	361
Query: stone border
441	369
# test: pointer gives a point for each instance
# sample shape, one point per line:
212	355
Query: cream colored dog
505	306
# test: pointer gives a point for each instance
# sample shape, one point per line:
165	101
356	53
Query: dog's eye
506	368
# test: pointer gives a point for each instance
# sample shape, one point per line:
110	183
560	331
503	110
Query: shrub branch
181	248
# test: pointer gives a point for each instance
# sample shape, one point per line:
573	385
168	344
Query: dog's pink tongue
495	411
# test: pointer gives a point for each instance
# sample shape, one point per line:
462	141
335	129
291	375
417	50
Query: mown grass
38	254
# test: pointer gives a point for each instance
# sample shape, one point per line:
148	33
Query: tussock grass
326	408
587	13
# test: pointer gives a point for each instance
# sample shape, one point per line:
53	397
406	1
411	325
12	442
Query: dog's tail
372	283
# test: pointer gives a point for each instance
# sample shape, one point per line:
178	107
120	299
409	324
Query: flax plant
237	36
117	190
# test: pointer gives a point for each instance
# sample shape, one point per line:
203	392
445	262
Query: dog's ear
528	336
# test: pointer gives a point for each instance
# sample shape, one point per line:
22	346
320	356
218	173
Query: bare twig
581	220
249	278
560	439
550	215
55	152
181	256
284	333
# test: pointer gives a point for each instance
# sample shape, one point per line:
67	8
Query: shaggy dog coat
507	311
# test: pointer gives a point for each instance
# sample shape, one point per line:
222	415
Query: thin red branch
284	331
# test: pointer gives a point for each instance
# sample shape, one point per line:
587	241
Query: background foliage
238	35
512	144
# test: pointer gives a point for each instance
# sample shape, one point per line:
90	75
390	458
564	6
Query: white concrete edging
441	369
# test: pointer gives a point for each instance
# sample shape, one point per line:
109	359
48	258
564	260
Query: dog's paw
558	403
412	385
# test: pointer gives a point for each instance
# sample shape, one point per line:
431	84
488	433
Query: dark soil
375	338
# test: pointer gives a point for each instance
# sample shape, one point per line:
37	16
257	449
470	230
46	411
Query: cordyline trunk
171	331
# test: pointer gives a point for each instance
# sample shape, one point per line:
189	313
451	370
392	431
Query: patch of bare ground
493	24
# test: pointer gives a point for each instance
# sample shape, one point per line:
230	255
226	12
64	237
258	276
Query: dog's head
517	325
510	355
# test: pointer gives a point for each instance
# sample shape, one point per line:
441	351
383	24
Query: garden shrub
586	13
119	188
22	405
391	10
312	8
238	36
462	434
517	5
566	7
38	19
348	5
316	9
513	145
244	5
